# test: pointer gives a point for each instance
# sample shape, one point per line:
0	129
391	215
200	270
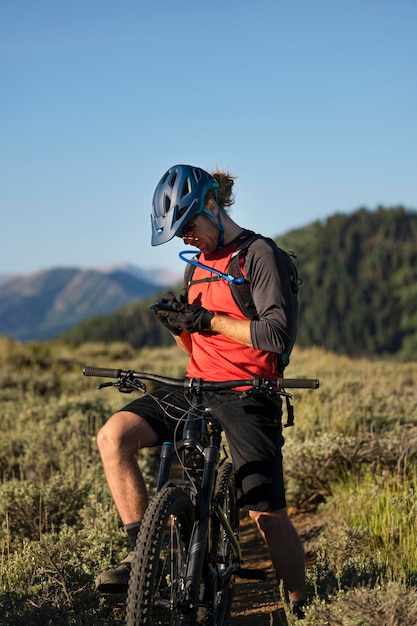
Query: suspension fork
167	451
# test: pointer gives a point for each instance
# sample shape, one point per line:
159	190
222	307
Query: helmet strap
220	226
218	222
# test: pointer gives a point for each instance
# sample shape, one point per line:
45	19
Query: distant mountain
156	276
42	305
6	277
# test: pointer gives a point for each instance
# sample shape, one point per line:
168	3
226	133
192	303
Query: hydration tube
194	261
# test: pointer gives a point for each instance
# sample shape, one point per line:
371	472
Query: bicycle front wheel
159	564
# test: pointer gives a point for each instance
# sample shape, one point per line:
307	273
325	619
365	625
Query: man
223	344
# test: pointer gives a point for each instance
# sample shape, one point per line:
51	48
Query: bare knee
124	433
111	438
270	520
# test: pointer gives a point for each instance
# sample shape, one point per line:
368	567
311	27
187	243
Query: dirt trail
256	602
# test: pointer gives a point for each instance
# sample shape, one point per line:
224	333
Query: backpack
241	290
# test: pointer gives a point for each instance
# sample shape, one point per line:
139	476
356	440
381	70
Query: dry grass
352	453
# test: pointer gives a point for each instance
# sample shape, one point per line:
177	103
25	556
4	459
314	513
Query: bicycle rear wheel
158	567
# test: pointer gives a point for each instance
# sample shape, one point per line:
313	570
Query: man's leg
286	550
119	441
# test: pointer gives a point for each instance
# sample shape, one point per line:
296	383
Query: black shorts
253	430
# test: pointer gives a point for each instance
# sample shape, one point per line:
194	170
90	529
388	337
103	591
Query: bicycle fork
197	551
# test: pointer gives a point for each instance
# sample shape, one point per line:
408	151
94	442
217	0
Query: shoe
298	609
115	580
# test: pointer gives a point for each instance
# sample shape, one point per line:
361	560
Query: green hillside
359	289
358	294
134	324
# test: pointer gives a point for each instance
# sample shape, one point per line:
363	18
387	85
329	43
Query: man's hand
190	317
165	305
186	317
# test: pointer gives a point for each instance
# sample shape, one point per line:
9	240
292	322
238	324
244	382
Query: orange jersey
214	356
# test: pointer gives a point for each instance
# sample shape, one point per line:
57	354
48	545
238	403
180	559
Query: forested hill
359	290
358	294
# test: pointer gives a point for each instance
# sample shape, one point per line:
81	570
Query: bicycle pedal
251	574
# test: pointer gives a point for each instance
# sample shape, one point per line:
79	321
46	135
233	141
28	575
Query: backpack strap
241	291
188	278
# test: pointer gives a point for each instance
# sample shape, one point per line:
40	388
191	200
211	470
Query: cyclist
222	343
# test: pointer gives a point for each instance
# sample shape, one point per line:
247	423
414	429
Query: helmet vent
197	174
167	203
182	211
173	179
185	189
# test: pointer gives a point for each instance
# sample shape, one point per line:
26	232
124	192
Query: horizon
178	272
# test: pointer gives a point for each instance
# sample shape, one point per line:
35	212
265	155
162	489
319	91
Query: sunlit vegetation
351	459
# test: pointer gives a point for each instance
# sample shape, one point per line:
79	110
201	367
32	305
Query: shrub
50	581
387	604
312	467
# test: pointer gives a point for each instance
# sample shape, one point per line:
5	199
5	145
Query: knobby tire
159	563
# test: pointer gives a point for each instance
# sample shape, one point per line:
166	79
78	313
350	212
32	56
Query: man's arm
271	292
237	330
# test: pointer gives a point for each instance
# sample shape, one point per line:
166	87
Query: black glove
188	317
163	305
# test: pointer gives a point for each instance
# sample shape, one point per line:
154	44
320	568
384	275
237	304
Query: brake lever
102	385
125	385
120	385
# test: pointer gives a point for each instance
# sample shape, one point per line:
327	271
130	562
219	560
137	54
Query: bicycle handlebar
194	383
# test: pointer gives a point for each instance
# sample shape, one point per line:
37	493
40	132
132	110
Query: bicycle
187	553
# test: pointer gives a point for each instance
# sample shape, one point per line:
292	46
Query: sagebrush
59	528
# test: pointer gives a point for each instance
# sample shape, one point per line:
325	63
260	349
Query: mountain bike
187	553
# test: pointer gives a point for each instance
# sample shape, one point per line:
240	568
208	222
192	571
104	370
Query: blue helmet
178	197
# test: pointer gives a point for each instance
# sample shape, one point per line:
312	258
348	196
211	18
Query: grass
352	456
383	507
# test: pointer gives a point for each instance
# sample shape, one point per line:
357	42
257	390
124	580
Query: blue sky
312	103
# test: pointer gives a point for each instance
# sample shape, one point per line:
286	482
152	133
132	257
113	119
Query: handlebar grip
299	383
104	372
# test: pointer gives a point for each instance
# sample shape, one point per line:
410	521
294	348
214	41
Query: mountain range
43	304
357	294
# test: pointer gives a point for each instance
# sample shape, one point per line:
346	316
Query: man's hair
225	191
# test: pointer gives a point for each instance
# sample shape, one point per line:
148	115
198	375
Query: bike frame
196	437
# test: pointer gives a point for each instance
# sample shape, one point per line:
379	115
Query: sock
132	530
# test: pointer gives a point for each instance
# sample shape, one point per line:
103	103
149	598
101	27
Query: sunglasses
187	231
